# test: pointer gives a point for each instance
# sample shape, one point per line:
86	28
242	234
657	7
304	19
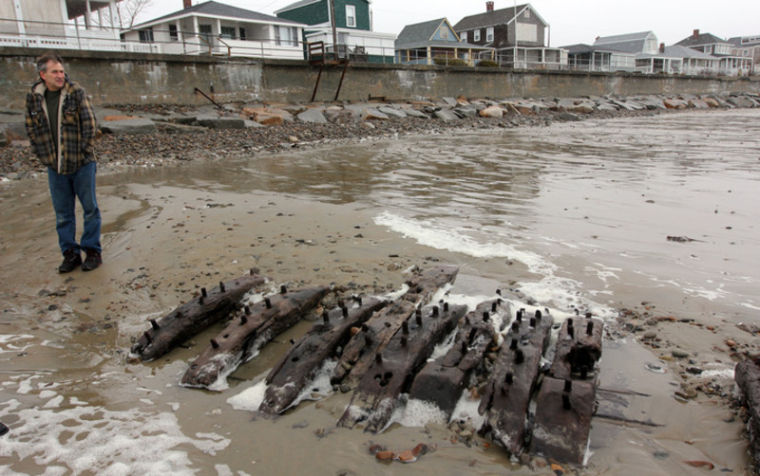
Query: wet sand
311	217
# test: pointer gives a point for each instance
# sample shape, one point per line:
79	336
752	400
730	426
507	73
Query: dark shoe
71	259
92	261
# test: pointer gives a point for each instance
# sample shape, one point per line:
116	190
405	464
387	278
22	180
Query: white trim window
476	35
463	37
350	16
489	34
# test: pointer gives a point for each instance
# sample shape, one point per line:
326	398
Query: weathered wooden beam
194	316
566	401
259	325
506	398
300	365
361	349
443	380
747	376
563	419
579	347
393	368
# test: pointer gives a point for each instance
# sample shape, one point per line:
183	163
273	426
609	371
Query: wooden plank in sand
194	316
258	326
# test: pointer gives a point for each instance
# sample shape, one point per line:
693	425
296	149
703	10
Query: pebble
679	354
385	455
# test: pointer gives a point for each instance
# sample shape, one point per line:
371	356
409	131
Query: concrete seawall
121	78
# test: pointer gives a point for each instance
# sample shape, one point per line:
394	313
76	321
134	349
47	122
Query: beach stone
312	115
451	102
173	128
463	112
741	101
493	112
3	137
371	114
216	122
711	102
446	115
568	116
128	126
679	354
698	104
416	113
392	112
675	104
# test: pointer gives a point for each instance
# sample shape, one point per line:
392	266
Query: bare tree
126	12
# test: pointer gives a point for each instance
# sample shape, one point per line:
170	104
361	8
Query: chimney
662	47
489	6
696	32
187	3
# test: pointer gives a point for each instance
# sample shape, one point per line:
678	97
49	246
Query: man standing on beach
61	127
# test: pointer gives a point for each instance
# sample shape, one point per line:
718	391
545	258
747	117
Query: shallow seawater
574	216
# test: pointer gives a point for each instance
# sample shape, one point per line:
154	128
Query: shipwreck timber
393	367
190	318
443	380
299	366
255	327
361	349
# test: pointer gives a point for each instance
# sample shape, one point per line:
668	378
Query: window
242	33
228	32
285	35
146	35
444	33
476	35
463	37
527	13
205	32
173	33
350	16
489	34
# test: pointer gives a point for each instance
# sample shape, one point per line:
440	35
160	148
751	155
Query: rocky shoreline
156	135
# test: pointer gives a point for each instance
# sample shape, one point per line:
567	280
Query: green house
353	14
353	25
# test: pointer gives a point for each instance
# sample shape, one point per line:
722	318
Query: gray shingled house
435	41
730	64
518	35
641	47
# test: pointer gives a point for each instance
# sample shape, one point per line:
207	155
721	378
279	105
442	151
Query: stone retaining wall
122	78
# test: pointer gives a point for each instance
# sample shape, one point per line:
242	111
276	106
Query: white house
641	48
59	24
213	28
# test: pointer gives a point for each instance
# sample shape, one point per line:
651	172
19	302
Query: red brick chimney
662	47
489	6
187	3
696	32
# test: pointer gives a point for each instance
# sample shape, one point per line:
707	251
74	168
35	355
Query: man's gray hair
43	60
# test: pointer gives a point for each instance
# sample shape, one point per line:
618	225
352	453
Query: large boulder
372	114
313	115
446	115
392	112
128	126
3	136
212	121
495	112
415	113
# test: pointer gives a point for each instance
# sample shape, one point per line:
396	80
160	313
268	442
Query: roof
216	9
497	17
300	4
295	5
745	40
421	34
626	43
686	52
701	39
580	48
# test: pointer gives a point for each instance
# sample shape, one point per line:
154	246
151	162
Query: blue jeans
63	189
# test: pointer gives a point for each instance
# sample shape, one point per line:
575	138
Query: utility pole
334	32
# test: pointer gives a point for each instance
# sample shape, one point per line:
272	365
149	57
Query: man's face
53	76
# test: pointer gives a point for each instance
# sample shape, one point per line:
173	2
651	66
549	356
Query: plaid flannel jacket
76	128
